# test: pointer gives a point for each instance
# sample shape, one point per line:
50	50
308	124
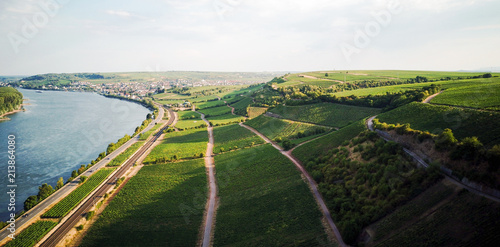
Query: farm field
118	160
254	112
232	137
216	111
189	120
484	95
436	118
450	226
210	104
64	206
240	107
179	145
329	114
264	201
32	234
162	205
317	148
225	119
278	128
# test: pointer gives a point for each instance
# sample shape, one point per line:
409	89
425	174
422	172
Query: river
58	132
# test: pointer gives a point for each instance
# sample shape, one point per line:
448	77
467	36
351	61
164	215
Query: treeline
482	163
144	102
10	99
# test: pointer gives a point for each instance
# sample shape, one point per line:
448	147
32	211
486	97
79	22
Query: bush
89	215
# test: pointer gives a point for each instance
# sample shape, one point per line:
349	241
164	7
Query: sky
66	36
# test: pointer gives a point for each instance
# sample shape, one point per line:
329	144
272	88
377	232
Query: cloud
121	13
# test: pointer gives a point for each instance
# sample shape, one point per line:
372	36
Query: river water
58	132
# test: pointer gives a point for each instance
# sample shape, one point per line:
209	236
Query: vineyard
225	119
436	118
64	206
264	201
232	137
484	95
254	112
118	160
467	220
240	107
329	114
210	104
216	111
161	205
32	234
189	120
179	145
275	128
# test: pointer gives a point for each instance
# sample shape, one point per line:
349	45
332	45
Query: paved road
40	208
312	184
208	222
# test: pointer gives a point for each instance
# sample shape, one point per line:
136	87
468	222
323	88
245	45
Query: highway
84	207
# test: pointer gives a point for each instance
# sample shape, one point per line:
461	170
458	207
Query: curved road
69	221
208	221
40	208
312	184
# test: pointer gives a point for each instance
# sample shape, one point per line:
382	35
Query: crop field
329	114
240	107
210	104
264	201
232	137
412	210
225	119
484	95
183	145
118	160
64	206
320	146
216	111
295	79
254	112
186	115
189	120
162	205
435	118
467	220
279	128
32	234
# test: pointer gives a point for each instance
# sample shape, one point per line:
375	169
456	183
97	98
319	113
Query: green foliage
44	191
230	136
64	206
79	227
264	202
118	160
30	202
10	99
161	204
483	94
329	114
60	183
445	140
113	146
31	235
89	215
225	119
83	179
216	111
184	145
240	107
254	112
434	118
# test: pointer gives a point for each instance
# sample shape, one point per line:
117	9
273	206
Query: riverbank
3	116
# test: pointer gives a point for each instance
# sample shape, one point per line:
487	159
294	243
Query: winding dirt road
210	208
428	99
312	184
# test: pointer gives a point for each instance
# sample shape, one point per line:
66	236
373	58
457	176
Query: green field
69	202
320	146
232	137
184	145
216	111
436	118
210	104
118	160
467	220
32	234
264	202
254	112
329	114
160	206
484	94
240	107
189	120
278	128
225	119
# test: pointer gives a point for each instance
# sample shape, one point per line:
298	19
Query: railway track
67	225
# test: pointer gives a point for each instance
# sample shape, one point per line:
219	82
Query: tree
326	74
60	183
74	174
287	145
149	116
487	75
44	191
468	149
493	157
445	140
30	202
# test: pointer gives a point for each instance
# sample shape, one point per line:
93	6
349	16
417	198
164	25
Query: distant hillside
10	99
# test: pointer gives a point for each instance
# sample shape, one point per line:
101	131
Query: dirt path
317	78
428	99
210	208
312	184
